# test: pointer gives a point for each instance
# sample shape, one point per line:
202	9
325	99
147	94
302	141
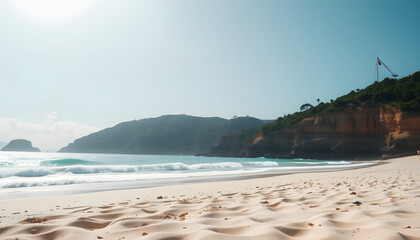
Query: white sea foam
183	166
338	162
164	167
325	162
311	163
19	170
262	164
83	169
25	172
66	178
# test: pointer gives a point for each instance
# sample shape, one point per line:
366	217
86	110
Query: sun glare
52	9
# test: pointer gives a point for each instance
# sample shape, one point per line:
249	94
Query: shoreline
81	188
290	206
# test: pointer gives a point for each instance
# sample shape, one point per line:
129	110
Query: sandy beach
377	202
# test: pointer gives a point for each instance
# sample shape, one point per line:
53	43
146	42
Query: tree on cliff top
305	107
402	94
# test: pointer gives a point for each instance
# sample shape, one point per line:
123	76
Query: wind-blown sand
298	206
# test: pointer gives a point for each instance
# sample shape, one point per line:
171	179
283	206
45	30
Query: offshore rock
20	145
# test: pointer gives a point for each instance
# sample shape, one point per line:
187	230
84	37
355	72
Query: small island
20	145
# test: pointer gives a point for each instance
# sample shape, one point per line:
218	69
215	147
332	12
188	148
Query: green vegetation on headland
403	94
382	120
170	134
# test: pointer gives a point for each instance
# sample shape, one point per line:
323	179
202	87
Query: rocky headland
381	121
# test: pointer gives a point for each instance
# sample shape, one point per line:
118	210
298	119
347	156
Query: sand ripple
316	207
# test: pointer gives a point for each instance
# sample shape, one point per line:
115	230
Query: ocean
42	174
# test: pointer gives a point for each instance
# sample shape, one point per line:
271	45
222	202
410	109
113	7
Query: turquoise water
23	171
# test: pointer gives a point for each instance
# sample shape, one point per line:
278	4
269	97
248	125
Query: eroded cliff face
358	133
404	136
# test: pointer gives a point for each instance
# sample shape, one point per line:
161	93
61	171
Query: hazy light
52	9
51	134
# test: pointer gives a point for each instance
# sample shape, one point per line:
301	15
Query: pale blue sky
115	61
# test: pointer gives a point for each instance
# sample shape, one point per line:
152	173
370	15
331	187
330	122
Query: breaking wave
261	164
48	169
86	169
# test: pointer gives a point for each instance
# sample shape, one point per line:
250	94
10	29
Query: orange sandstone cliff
353	133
